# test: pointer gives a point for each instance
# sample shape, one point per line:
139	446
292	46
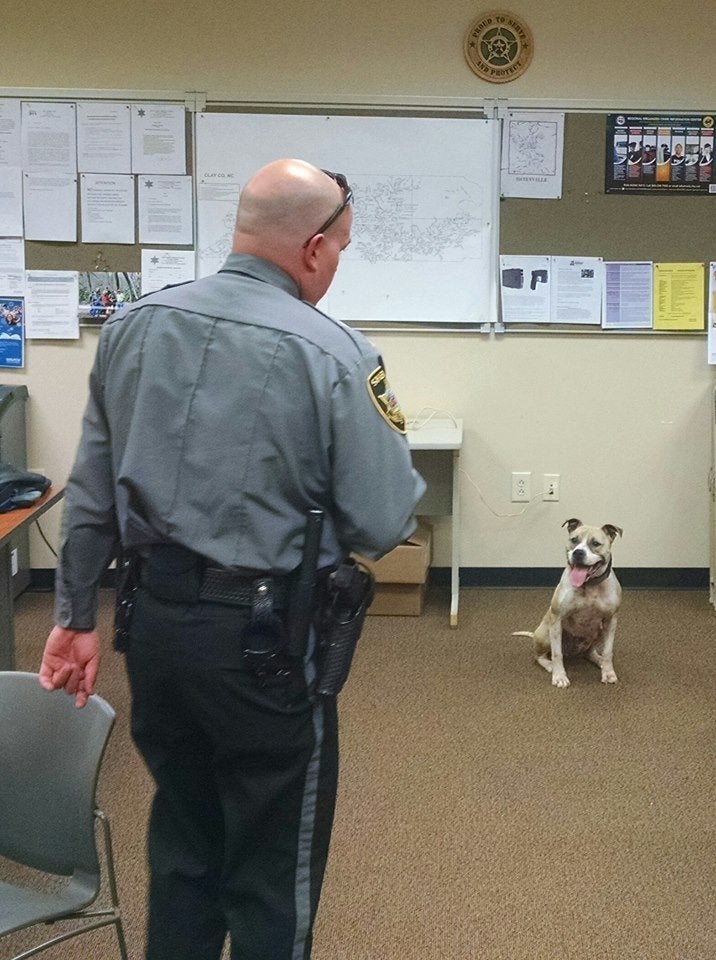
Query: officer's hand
70	662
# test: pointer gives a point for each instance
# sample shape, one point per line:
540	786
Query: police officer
220	412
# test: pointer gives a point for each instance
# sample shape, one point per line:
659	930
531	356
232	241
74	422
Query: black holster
264	639
348	593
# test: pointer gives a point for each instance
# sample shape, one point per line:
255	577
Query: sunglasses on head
347	197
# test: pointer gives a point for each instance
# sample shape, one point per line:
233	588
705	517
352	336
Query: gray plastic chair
50	757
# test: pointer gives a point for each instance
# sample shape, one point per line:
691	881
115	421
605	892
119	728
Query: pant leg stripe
305	839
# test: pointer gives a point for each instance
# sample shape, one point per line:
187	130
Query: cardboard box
398	600
401	575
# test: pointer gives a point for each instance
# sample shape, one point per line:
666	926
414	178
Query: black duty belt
178	575
222	585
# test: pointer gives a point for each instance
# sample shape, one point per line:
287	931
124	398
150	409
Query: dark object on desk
20	488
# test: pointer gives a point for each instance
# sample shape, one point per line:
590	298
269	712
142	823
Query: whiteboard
425	205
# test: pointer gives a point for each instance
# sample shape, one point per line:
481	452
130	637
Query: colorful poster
12	332
651	153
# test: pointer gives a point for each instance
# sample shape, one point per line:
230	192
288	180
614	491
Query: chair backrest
50	756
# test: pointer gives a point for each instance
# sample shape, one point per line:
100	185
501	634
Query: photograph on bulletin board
103	293
651	153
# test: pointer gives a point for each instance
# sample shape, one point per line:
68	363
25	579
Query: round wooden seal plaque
498	46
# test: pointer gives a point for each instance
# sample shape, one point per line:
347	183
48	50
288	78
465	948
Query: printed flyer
649	153
12	332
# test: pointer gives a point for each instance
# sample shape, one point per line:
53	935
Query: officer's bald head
280	209
282	204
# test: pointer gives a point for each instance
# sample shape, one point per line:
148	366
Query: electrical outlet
550	486
521	487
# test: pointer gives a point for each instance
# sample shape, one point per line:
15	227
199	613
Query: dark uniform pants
246	778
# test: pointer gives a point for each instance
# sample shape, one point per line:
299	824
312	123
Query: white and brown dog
582	617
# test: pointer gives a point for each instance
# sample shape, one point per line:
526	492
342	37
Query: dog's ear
612	532
572	524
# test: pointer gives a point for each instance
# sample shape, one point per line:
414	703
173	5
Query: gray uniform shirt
219	413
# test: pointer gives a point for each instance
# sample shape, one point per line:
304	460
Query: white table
436	451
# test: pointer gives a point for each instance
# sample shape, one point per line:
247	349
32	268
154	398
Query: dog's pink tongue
577	575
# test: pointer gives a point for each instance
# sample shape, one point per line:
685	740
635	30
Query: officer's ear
311	250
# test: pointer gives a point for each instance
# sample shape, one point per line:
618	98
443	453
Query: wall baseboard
648	578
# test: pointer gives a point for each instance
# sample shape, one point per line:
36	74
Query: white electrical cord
424	416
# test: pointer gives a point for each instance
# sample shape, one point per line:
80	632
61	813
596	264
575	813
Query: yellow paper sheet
679	296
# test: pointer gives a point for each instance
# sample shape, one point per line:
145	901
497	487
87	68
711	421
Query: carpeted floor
482	813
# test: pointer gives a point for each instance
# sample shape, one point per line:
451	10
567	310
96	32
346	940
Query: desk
436	450
10	523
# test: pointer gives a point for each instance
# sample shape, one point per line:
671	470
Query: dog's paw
608	676
560	679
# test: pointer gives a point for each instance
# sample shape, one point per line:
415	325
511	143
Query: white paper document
10	202
628	290
12	267
577	289
165	210
163	267
107	204
538	289
104	142
50	205
158	138
49	138
52	304
532	148
526	289
10	147
712	313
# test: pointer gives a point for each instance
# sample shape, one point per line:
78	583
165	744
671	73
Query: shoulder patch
384	400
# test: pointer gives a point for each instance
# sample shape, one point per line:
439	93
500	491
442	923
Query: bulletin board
433	160
93	257
588	222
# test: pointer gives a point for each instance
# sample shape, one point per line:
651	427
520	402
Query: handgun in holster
349	592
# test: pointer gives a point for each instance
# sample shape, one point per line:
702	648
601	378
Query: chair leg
111	877
60	938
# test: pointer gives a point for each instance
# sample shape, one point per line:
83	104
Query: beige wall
624	420
300	50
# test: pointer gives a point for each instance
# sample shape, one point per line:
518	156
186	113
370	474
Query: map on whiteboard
399	218
414	218
216	204
424	210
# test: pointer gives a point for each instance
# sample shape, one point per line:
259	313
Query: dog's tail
523	633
